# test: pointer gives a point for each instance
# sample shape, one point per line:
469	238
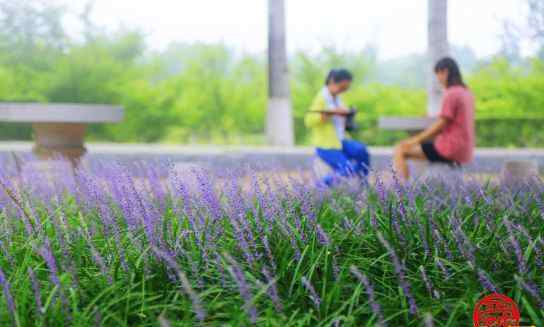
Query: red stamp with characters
496	310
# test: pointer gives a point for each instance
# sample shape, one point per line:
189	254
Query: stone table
59	129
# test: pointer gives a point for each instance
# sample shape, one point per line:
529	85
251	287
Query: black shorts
433	156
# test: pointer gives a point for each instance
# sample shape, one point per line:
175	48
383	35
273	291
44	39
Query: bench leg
519	171
55	140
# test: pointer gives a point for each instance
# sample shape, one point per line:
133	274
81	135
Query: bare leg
399	162
401	156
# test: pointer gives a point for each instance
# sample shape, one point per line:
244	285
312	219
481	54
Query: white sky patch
396	27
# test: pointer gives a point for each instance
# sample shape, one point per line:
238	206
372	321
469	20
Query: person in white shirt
326	120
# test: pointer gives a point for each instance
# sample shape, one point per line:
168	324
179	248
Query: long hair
454	73
338	75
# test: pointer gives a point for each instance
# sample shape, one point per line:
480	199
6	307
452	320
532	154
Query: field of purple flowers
116	245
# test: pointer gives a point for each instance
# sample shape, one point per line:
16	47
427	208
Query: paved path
487	159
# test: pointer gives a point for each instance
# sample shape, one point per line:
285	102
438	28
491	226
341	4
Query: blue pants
352	160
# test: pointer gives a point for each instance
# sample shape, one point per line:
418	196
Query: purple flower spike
272	290
376	308
46	253
463	243
185	284
445	272
428	284
486	282
99	260
238	275
380	189
531	288
399	269
36	288
6	288
522	264
313	294
322	236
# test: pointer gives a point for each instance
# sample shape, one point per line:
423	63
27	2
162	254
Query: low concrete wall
487	160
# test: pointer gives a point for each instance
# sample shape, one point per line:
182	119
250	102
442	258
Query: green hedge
215	96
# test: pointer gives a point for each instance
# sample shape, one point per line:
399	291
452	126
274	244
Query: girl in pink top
451	138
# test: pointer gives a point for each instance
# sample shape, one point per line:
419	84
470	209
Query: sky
395	27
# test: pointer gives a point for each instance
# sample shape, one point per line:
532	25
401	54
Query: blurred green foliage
201	93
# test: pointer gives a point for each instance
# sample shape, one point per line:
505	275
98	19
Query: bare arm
340	111
431	131
428	133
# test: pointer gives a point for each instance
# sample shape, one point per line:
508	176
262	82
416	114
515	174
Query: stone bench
516	169
411	125
59	129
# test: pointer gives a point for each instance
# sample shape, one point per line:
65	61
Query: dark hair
454	73
338	75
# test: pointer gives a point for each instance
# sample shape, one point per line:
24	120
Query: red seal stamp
496	310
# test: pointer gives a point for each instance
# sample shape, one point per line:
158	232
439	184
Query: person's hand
335	112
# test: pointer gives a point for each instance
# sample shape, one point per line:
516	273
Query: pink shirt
457	141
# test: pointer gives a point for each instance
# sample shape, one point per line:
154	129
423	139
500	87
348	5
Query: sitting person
450	140
326	120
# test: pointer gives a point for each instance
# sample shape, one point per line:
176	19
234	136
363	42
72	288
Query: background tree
536	24
510	42
31	39
210	93
536	19
279	121
438	47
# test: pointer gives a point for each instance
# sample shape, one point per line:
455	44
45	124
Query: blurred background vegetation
210	93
